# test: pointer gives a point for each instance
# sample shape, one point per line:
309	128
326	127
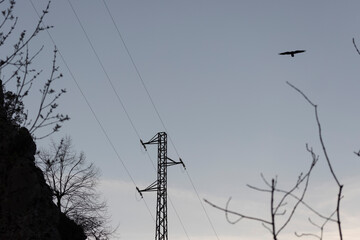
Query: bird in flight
292	53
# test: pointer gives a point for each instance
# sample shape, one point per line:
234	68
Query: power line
177	214
157	112
139	75
117	95
103	68
202	205
111	84
122	104
92	110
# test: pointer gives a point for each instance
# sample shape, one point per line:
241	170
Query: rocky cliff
26	207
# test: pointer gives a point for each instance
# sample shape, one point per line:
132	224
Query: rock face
26	208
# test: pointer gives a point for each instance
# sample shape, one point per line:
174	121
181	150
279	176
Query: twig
236	213
326	155
355	46
227	215
307	234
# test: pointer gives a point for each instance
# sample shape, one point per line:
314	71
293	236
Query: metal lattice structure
160	185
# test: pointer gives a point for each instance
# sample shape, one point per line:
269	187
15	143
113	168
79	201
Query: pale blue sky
214	73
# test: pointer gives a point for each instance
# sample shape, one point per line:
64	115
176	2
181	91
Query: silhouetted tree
73	182
280	213
17	75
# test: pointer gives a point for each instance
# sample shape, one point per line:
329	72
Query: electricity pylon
160	185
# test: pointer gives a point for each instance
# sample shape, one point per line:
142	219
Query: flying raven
292	53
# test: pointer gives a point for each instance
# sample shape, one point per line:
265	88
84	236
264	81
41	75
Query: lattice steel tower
160	185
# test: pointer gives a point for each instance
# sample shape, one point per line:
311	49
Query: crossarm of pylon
151	188
171	162
153	140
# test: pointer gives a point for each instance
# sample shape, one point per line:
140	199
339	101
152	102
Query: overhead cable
91	109
157	112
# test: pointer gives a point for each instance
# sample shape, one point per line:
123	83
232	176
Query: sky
212	72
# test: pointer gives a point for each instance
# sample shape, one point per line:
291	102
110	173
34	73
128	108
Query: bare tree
280	213
17	75
279	209
73	182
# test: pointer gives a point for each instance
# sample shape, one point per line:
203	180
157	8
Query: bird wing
298	51
285	53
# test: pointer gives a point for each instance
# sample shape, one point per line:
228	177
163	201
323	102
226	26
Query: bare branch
265	181
307	235
258	189
278	208
273	213
320	134
227	215
307	99
236	213
326	157
16	71
47	119
355	46
267	227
